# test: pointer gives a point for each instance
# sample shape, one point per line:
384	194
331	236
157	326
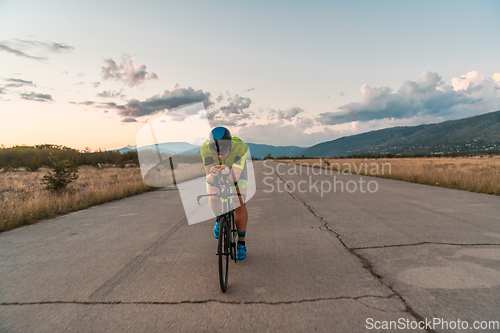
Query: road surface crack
106	289
423	243
366	263
355	298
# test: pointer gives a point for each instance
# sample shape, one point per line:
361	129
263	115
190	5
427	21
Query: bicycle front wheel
223	253
232	232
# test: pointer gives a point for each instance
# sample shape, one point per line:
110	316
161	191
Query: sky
282	73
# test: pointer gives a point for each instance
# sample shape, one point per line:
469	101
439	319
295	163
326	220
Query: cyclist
227	155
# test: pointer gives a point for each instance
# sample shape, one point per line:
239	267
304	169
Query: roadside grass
474	174
23	200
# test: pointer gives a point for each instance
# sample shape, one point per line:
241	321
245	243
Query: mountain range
469	134
167	147
257	150
477	133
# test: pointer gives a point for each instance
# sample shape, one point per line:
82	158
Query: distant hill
257	150
261	151
126	149
474	133
168	148
478	133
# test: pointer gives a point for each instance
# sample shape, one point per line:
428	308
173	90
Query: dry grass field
23	199
474	174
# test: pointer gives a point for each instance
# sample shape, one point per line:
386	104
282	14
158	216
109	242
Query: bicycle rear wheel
223	253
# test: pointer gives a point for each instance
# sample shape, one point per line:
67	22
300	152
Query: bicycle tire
232	237
223	255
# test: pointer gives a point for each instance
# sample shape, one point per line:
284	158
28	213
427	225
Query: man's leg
240	213
241	219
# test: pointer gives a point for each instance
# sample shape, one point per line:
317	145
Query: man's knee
241	209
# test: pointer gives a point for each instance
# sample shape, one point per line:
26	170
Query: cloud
16	83
237	105
214	122
50	46
57	47
251	89
168	100
427	95
18	53
285	134
36	97
129	120
285	114
20	48
83	103
234	109
127	72
303	123
111	94
112	105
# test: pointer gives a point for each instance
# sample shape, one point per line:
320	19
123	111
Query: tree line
34	157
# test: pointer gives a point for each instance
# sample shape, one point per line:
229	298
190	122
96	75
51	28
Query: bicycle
226	247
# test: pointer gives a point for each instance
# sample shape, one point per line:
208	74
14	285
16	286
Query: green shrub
61	173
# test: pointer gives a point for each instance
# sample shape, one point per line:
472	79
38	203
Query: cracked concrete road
437	249
325	263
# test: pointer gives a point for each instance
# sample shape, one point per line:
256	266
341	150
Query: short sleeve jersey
236	158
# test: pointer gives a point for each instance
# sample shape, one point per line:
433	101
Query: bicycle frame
225	195
227	227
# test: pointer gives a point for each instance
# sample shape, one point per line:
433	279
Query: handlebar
224	182
224	196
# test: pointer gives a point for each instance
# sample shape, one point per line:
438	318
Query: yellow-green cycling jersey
236	158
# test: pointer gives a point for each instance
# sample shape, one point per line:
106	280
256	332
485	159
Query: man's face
224	153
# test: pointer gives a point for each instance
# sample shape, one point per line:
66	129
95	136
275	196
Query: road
316	261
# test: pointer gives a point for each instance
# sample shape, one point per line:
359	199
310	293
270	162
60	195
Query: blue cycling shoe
241	252
216	229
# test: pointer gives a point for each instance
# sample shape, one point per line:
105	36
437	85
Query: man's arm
237	168
211	172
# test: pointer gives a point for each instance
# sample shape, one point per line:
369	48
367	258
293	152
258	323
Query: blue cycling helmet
219	140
